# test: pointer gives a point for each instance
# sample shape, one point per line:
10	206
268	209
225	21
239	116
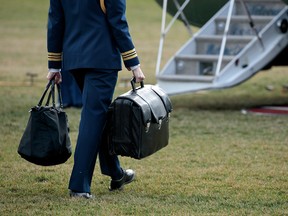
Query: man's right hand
138	74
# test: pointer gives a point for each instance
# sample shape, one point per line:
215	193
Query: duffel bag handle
133	81
51	94
44	93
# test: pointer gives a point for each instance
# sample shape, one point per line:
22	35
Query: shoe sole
75	195
125	183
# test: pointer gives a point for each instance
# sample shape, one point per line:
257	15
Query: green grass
218	161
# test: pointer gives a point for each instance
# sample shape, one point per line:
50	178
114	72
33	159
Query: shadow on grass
225	100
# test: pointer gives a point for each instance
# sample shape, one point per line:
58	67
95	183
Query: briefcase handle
133	82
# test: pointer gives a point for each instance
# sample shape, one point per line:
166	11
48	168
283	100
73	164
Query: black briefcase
138	122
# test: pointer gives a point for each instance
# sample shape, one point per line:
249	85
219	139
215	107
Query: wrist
54	70
135	67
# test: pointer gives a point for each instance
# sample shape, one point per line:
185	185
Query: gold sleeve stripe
54	56
129	57
102	5
129	54
52	53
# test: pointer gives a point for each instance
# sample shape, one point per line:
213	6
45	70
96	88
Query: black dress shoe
128	177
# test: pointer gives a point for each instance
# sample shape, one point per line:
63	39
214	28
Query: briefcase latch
147	127
159	124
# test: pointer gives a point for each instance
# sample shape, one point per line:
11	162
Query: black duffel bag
138	122
46	140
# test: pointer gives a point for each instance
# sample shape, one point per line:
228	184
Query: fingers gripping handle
133	82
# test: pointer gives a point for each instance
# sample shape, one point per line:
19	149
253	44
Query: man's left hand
56	76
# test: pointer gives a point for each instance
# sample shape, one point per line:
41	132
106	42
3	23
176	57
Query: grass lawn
218	161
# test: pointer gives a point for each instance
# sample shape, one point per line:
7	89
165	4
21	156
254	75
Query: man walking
88	39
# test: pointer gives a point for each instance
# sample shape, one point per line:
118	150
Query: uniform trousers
97	88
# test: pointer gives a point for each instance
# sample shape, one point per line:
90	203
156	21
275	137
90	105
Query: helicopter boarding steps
237	42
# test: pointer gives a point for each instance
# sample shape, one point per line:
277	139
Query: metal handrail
224	40
251	23
183	17
165	30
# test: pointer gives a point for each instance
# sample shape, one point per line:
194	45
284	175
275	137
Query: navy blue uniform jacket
89	34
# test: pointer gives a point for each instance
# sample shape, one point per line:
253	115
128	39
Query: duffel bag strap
51	85
44	93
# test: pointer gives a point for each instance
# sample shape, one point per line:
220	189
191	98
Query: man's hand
138	74
56	76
